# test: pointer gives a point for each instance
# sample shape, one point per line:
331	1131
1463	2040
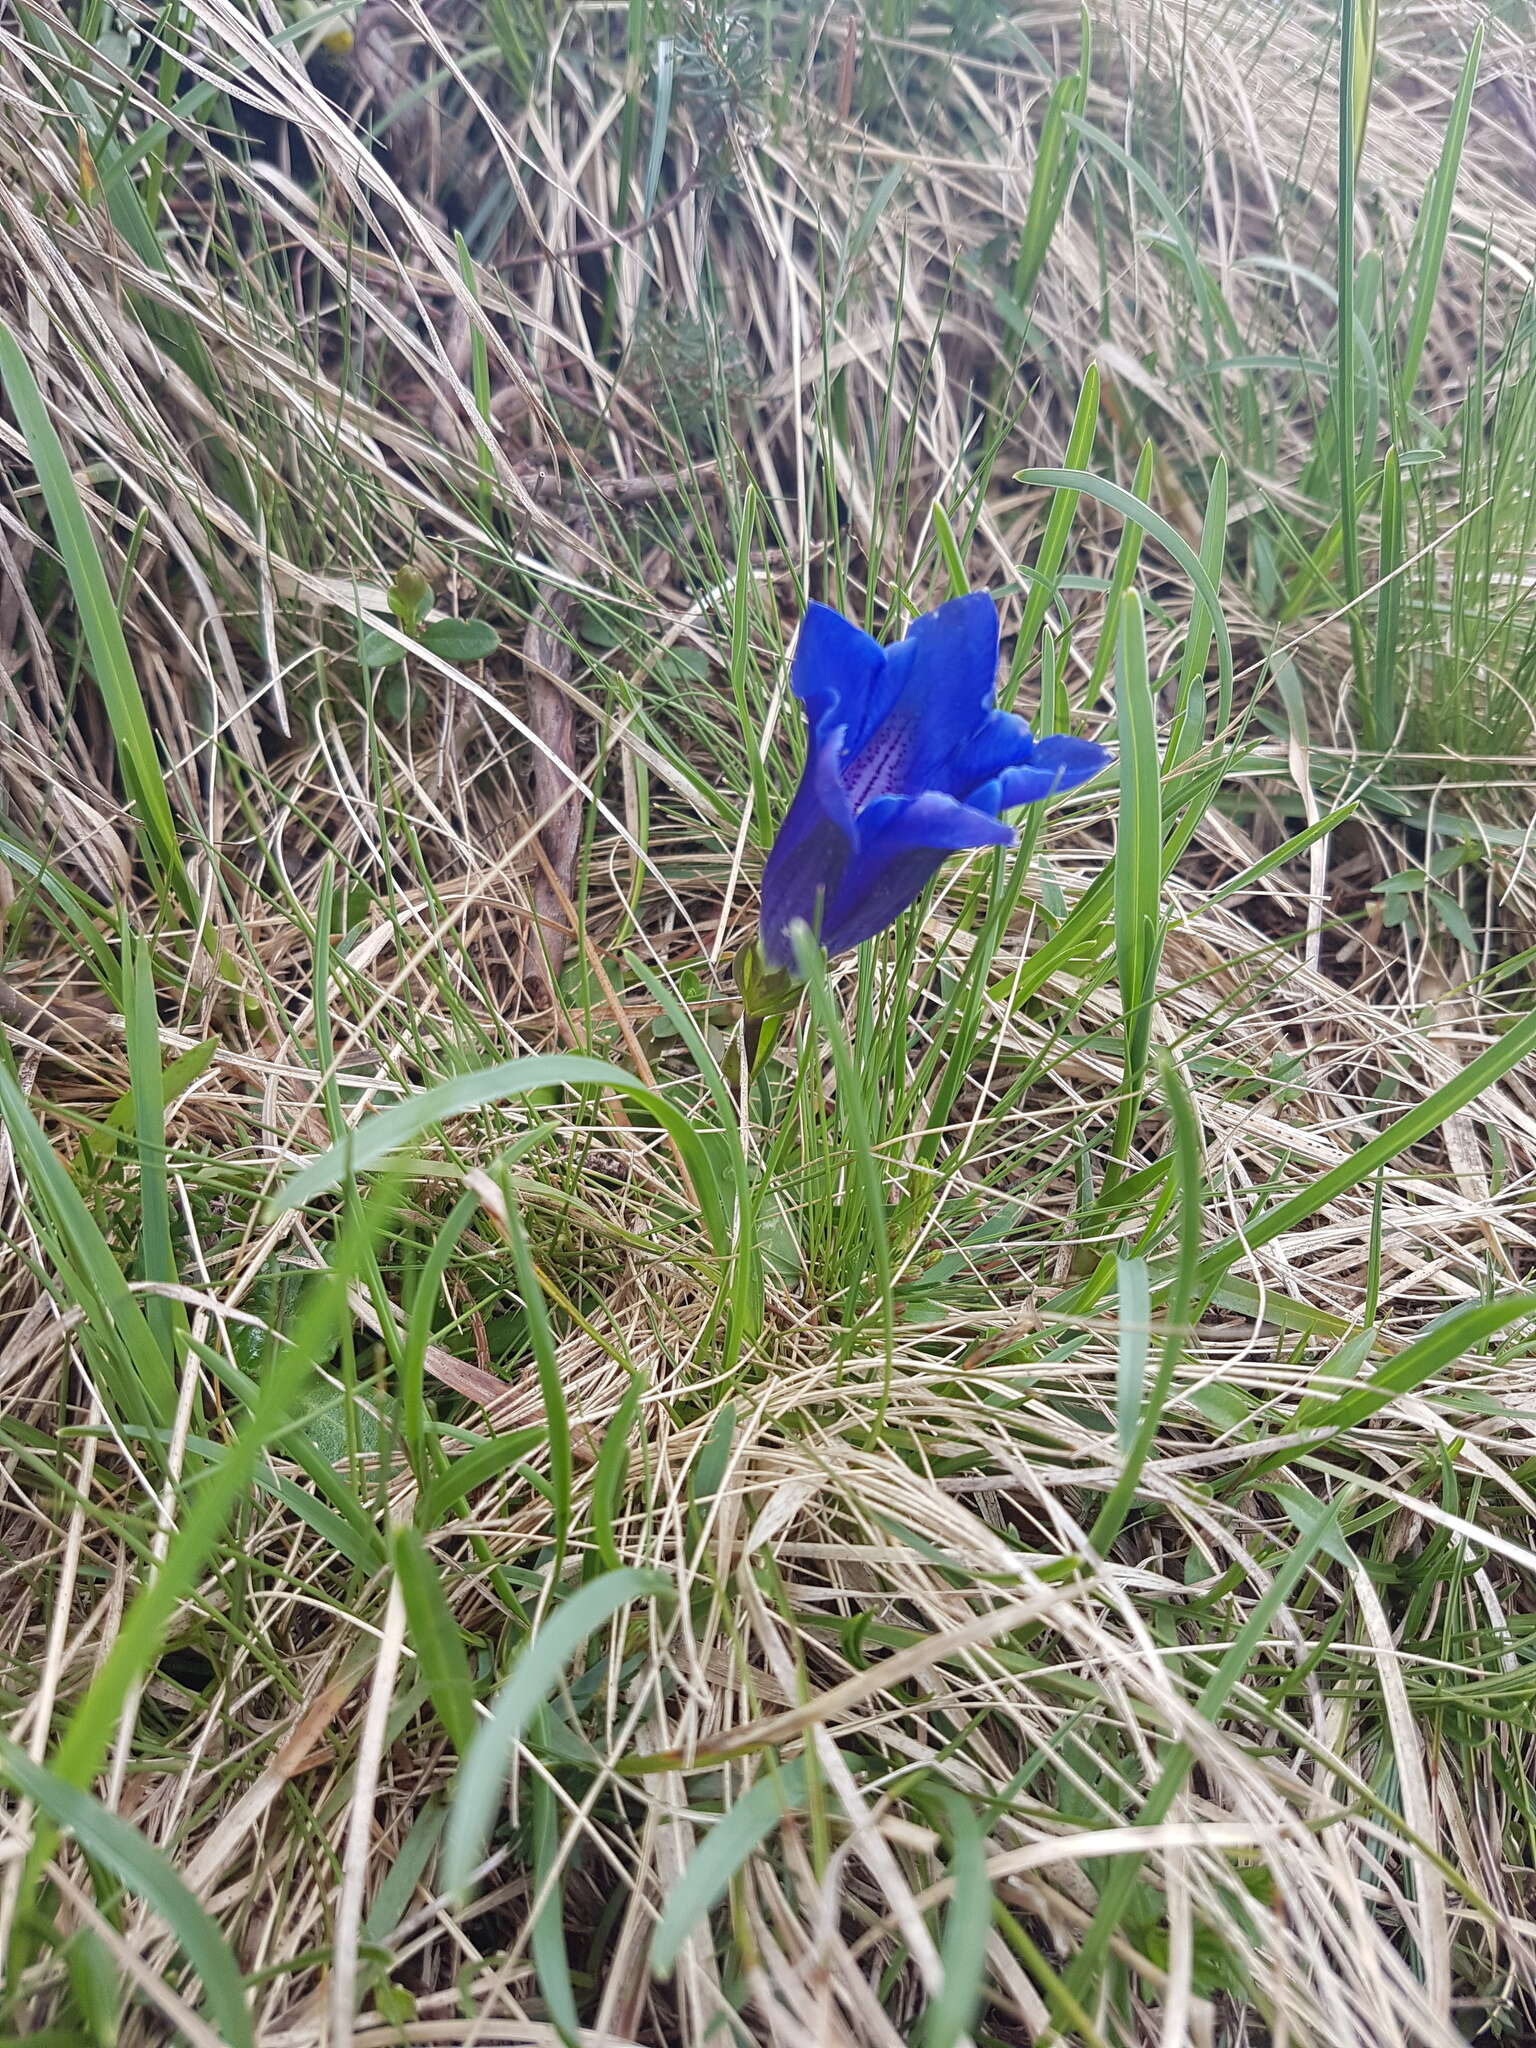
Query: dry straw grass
268	399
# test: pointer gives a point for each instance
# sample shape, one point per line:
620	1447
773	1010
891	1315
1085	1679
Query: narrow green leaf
1120	500
156	1257
951	2016
1121	577
562	1464
868	1178
608	1477
1138	868
1058	521
477	1791
111	664
392	1130
1055	162
406	1869
954	562
744	666
1386	658
472	1469
745	1278
276	1398
1188	727
1364	68
176	1077
139	1377
1288	850
1491	1065
737	1834
1435	222
435	1637
1344	396
1189	1194
1134	1347
1082	1977
146	1872
546	1940
1448	1338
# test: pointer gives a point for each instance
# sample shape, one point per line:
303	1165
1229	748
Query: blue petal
931	819
935	694
1058	763
836	667
902	843
1001	742
807	860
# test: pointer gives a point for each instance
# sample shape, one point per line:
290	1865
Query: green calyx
765	991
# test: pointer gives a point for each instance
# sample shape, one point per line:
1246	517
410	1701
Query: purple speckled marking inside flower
880	769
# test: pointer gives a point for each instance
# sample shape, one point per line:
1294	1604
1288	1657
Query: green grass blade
613	1462
1138	868
1188	725
748	717
1518	1043
434	1635
224	1483
1435	223
546	1940
1118	1887
949	549
737	1835
867	1176
156	1257
1178	1304
1134	1347
557	1421
1364	67
111	662
1346	450
393	1130
148	1873
472	1469
1127	555
1120	500
477	1790
1058	521
1055	162
133	1364
1449	1338
1387	655
951	2016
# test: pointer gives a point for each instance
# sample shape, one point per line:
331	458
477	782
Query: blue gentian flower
908	761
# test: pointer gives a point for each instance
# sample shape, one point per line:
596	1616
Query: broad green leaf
376	649
460	640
